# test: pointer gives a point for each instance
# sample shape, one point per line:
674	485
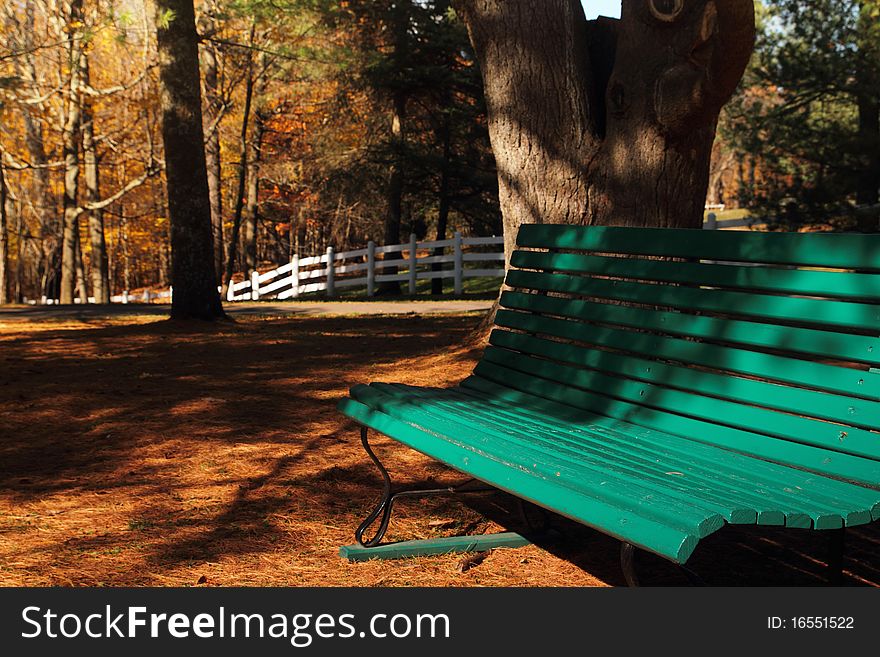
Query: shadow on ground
181	454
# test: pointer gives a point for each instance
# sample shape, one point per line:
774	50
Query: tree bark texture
22	38
70	149
396	176
98	263
4	239
242	169
252	208
607	121
868	102
189	207
213	111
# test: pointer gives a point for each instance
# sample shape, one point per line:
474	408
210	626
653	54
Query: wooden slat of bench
839	251
738	499
846	285
815	312
629	525
769	486
799	341
808	403
826	435
821	461
820	376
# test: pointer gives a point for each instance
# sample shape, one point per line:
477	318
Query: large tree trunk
189	206
607	121
70	148
213	112
98	263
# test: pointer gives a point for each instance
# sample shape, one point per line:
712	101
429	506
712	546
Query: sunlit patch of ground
137	452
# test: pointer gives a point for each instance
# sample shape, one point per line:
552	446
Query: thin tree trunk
396	178
19	256
70	148
213	155
98	264
82	285
443	200
251	215
4	239
242	168
868	101
253	193
22	35
189	206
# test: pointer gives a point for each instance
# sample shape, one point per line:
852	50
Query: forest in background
331	123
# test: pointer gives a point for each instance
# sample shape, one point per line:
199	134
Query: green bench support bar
434	546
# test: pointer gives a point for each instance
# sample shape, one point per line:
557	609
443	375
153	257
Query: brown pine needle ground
136	452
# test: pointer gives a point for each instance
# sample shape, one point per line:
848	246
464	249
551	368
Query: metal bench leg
386	503
628	563
836	544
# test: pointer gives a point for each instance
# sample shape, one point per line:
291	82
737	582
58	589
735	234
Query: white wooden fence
361	268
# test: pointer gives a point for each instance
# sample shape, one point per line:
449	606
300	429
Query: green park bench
657	384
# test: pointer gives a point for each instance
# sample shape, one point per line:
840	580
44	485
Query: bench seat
655	490
657	384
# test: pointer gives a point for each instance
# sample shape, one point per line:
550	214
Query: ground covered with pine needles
142	452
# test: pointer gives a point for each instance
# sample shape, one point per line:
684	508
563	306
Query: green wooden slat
838	314
770	279
833	437
809	403
739	500
843	380
843	251
434	546
625	524
802	341
822	461
765	485
623	491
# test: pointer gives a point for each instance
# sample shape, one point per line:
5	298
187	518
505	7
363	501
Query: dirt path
136	452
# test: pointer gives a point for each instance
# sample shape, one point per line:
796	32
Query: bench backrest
763	343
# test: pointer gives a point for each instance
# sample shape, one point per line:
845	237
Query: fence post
230	294
331	267
294	274
412	263
458	259
711	221
124	296
371	267
255	286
